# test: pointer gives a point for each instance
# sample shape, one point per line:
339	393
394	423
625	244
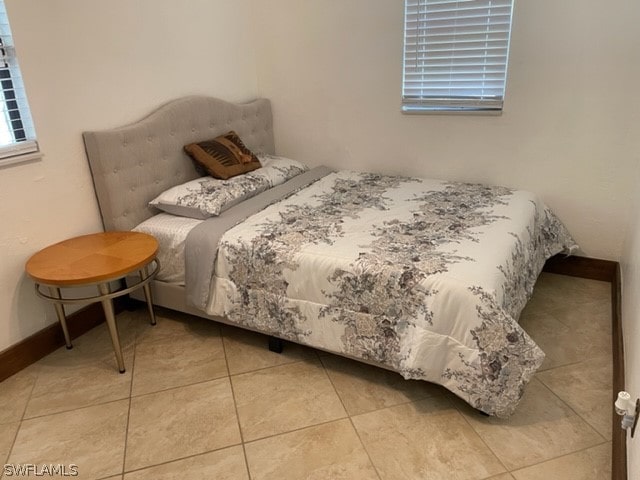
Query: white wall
333	71
95	64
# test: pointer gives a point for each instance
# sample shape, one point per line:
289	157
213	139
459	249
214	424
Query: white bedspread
423	276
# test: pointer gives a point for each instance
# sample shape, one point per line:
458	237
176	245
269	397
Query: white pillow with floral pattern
207	196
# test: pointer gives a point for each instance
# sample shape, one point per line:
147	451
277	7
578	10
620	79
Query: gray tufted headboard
131	165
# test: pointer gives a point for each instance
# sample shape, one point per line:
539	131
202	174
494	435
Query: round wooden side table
95	260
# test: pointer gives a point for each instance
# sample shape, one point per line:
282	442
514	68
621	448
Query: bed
423	277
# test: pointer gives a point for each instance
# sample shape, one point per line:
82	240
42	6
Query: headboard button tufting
134	163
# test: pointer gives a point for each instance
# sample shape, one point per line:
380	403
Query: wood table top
92	258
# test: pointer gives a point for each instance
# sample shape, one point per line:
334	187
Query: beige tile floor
200	400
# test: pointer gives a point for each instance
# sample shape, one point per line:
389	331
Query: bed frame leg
275	345
131	304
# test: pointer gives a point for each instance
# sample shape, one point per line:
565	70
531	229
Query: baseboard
619	436
606	271
583	267
45	341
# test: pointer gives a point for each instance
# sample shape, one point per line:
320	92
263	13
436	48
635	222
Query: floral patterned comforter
425	277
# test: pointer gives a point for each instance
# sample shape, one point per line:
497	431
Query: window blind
455	54
17	135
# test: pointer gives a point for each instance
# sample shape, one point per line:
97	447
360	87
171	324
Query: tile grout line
551	369
578	362
24	411
399	403
175	387
324	369
266	368
557	312
179	459
298	428
77	408
537	376
604	440
259	439
195	454
235	404
466	420
607	442
94	362
22	418
573	410
126	430
578	414
229	375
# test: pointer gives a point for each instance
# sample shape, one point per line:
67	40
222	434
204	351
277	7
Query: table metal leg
144	274
107	305
55	292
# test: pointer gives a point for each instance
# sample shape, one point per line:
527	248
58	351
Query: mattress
171	232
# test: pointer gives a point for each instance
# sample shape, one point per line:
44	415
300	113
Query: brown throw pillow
224	156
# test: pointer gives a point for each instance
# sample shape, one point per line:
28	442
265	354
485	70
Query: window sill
17	159
491	112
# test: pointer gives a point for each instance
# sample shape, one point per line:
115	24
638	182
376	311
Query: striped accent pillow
224	156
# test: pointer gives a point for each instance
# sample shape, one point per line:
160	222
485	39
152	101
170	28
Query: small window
455	55
17	135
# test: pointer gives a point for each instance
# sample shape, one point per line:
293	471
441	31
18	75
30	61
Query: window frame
14	107
479	103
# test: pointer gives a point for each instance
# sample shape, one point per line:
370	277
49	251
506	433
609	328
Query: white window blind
17	135
455	55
